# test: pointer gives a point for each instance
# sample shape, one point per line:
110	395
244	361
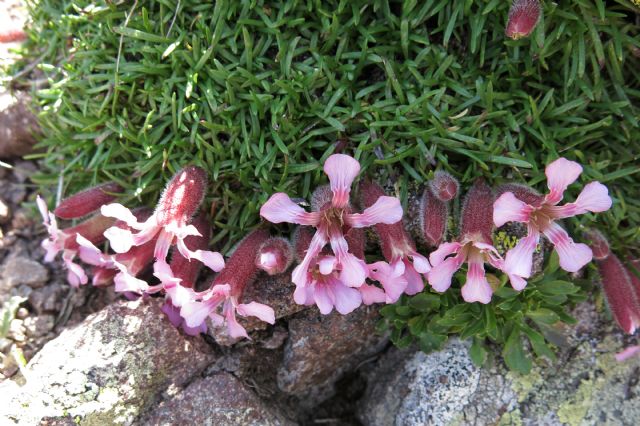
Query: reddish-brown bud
444	186
241	268
394	240
523	17
634	273
599	244
522	193
476	218
620	293
187	270
275	256
182	195
87	201
92	229
356	240
434	214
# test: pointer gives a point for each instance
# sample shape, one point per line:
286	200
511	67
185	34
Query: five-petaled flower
541	213
333	219
227	289
169	222
474	247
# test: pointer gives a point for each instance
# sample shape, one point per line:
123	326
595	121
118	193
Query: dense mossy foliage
261	93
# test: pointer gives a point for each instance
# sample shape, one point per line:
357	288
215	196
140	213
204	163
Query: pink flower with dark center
169	222
275	256
402	273
474	247
523	17
323	286
64	240
332	220
541	213
227	289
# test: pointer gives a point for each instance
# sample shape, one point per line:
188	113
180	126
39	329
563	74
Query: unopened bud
301	239
434	214
182	195
444	186
620	293
275	256
523	17
476	217
87	201
522	193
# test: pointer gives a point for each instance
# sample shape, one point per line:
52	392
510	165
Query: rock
22	271
39	326
48	298
17	125
320	348
106	370
414	388
585	386
5	212
219	400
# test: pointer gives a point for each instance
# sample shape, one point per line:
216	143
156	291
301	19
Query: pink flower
169	222
227	289
331	218
323	286
402	274
523	17
64	240
474	247
541	213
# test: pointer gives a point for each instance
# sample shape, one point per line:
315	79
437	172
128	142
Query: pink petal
172	312
627	353
415	284
386	210
279	208
92	255
44	210
519	260
268	261
303	295
347	299
161	250
300	273
560	174
51	249
342	170
572	256
391	277
354	271
327	264
75	274
371	294
507	208
440	275
211	259
593	198
194	313
258	310
477	288
420	263
180	295
122	213
163	272
120	240
444	250
125	282
324	299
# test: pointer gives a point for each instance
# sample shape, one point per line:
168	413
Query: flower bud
523	17
92	229
476	218
275	256
434	214
87	201
620	293
182	195
444	186
599	244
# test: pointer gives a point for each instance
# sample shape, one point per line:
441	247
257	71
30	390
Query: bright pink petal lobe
507	208
385	210
280	208
560	174
572	256
341	170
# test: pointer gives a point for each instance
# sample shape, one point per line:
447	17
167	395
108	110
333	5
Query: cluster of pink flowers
328	244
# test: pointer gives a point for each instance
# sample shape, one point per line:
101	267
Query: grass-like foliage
259	94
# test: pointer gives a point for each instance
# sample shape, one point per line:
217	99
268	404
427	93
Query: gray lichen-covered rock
320	348
17	125
21	270
218	400
106	370
585	386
